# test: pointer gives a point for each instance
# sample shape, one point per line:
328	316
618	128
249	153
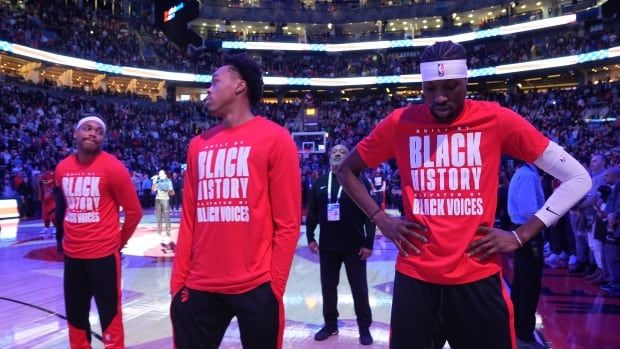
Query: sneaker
564	256
572	260
365	337
554	257
326	332
554	261
165	239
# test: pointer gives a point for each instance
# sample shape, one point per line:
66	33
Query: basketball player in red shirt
448	274
241	219
95	184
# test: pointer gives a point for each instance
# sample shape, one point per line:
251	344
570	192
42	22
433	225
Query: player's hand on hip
401	232
364	253
494	241
314	247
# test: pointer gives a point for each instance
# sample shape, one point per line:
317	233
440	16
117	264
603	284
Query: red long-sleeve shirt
449	180
241	209
94	192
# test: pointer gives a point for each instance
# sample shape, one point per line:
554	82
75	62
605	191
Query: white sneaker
552	259
572	260
564	256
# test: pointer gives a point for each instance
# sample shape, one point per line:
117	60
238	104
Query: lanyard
329	190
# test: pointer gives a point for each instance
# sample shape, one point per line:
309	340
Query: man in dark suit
346	236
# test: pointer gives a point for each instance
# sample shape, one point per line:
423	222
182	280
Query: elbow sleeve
576	182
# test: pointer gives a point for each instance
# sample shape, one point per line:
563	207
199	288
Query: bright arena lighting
341	81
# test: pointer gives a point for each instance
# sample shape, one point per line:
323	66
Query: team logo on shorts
441	70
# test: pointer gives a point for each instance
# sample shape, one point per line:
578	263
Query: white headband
444	70
91	118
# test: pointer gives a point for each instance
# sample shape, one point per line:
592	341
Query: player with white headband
95	184
95	118
448	282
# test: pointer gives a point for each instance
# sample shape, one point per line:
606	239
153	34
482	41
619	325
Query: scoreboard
172	16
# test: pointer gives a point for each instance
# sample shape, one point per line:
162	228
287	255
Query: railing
322	13
347	5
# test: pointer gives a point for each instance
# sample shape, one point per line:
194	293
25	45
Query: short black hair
443	51
250	72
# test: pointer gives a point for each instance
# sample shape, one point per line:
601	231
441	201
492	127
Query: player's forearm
282	258
285	200
133	215
355	189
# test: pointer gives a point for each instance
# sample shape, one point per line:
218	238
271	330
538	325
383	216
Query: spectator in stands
612	243
136	179
177	185
147	195
26	195
587	217
378	187
525	198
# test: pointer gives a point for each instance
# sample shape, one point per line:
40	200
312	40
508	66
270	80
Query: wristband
374	214
518	238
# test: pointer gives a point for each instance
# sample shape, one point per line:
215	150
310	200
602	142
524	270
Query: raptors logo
441	71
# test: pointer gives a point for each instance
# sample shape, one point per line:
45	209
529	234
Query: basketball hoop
305	153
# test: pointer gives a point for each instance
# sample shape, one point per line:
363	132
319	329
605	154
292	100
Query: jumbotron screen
172	17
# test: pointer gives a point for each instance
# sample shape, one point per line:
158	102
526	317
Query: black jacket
352	232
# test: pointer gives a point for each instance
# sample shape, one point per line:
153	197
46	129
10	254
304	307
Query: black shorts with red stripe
475	315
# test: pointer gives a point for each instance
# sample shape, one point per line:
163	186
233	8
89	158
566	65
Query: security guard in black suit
346	236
